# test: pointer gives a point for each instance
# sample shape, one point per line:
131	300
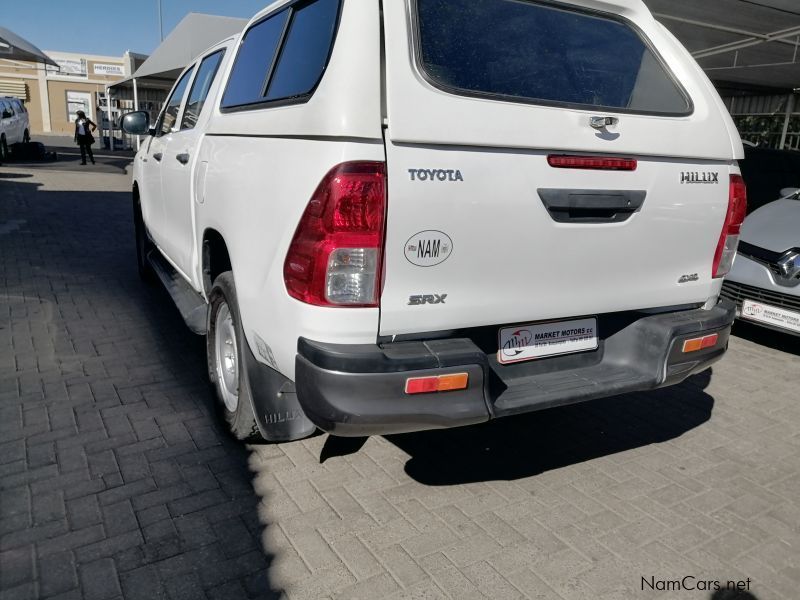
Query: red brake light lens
729	238
607	163
335	257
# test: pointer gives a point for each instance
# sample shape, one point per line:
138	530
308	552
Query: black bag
29	151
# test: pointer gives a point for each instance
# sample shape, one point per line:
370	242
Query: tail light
603	163
729	238
700	343
335	256
437	383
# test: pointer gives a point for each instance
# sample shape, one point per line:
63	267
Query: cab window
200	88
172	108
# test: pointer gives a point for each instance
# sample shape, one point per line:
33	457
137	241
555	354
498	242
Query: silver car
765	278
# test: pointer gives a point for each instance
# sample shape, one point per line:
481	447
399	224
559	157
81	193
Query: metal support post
136	107
790	100
110	121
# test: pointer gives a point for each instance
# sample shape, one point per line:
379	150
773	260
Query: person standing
83	135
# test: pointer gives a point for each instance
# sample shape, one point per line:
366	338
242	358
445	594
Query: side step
192	306
568	387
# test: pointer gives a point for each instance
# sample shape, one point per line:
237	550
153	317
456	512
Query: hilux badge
698	177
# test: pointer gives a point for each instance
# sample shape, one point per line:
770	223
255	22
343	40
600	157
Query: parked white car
14	124
394	216
765	278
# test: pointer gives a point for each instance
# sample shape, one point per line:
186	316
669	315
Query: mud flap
278	413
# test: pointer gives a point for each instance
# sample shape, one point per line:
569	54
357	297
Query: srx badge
426	299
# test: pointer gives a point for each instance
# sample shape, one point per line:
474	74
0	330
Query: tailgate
484	225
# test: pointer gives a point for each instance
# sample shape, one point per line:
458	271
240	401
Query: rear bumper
355	390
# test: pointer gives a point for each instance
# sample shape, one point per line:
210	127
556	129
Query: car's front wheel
26	137
3	149
226	367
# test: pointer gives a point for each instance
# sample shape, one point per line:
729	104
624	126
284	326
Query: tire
26	137
143	247
225	352
3	150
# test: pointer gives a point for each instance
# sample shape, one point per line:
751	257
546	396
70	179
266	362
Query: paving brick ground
116	480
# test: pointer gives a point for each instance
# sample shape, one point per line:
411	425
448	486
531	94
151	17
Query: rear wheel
225	354
26	137
3	149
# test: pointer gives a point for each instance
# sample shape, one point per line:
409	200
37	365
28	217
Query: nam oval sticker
428	248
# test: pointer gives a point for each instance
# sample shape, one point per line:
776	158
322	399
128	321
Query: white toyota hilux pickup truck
396	215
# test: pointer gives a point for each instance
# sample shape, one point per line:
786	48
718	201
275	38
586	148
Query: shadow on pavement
118	354
525	445
770	338
69	159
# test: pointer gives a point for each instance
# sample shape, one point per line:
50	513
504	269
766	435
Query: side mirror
786	192
136	123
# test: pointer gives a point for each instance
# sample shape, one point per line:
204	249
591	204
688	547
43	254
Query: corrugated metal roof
751	42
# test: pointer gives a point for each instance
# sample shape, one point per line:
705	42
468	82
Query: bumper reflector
439	383
701	343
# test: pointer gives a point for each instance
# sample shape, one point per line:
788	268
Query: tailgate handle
591	206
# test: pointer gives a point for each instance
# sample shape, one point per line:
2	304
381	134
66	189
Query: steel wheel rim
226	361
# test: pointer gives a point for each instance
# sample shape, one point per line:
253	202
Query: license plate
771	315
538	340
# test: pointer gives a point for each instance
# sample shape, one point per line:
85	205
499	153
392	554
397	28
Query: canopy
744	42
13	47
195	33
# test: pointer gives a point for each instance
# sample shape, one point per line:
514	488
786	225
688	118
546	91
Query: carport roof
191	36
744	42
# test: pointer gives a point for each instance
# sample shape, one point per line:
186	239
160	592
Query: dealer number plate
538	340
771	315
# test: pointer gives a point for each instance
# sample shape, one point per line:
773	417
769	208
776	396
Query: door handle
591	206
157	156
182	158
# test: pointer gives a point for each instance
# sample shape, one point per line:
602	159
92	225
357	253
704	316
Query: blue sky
108	26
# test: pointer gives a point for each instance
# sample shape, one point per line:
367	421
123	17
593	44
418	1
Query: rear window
283	56
532	52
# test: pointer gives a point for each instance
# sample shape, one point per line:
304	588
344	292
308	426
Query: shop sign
69	67
106	69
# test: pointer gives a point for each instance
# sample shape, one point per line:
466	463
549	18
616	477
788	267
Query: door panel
153	204
180	157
